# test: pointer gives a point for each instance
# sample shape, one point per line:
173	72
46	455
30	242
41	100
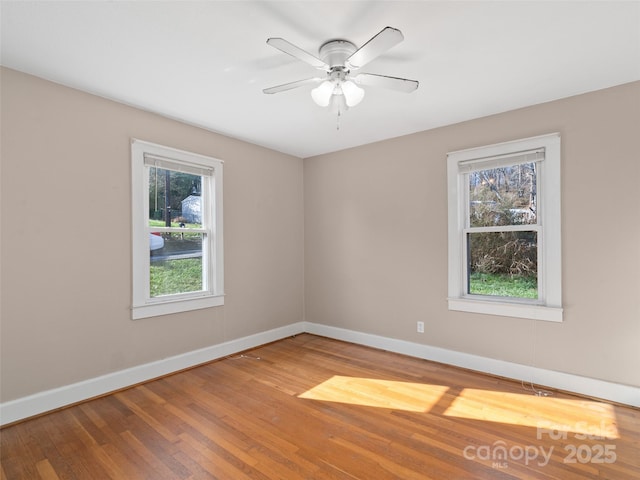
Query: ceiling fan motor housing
335	52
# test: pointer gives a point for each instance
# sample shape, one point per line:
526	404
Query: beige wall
370	240
376	239
66	239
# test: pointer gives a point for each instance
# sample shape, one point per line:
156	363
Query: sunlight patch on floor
547	414
372	392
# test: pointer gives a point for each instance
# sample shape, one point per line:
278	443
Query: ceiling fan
339	88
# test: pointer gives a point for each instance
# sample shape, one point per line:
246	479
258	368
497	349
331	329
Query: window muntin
177	200
525	222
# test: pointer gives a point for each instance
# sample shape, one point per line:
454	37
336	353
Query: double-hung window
177	230
504	229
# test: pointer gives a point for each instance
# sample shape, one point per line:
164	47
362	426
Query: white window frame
213	261
548	306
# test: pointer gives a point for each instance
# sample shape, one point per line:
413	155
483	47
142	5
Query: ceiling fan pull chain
338	121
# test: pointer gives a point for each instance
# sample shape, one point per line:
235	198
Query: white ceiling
206	63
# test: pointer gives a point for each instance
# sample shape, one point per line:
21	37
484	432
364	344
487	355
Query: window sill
176	306
533	312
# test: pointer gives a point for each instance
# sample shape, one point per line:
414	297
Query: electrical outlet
420	327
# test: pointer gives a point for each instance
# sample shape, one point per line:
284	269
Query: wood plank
308	407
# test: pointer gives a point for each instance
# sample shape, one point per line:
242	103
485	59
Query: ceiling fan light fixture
322	93
353	94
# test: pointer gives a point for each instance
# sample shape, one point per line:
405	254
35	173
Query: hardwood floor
308	407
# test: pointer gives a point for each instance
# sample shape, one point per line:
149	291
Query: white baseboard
46	401
624	394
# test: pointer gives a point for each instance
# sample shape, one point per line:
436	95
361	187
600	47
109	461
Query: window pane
176	267
503	196
503	264
174	199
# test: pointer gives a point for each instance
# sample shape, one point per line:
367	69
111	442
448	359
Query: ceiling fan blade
380	43
296	52
393	83
290	86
